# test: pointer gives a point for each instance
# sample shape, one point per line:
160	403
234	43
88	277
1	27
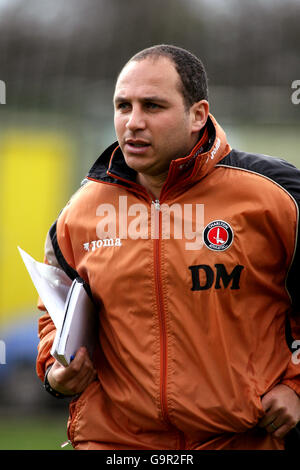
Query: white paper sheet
52	285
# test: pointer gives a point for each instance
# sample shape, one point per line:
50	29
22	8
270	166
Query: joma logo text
91	246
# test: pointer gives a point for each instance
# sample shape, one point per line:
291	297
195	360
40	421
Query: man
191	252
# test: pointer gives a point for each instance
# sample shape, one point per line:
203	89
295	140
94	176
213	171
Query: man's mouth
137	146
137	142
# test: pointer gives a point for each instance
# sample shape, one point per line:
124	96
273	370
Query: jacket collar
111	167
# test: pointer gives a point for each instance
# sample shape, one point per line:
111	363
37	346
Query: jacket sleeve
46	328
292	373
291	377
286	176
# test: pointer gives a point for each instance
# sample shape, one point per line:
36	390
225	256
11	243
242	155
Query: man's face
152	124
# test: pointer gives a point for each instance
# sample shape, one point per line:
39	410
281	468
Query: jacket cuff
294	385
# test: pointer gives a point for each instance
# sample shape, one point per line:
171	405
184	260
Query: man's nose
136	120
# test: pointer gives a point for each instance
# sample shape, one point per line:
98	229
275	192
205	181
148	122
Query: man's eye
152	105
123	106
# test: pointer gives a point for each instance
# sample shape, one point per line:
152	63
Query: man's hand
75	377
282	410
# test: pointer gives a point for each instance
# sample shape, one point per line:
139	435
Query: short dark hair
191	70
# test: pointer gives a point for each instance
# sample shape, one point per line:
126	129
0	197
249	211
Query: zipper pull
156	204
64	444
155	216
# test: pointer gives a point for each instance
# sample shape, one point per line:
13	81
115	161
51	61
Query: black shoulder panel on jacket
60	257
280	171
287	176
71	272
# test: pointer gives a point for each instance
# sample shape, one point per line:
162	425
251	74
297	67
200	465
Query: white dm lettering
93	245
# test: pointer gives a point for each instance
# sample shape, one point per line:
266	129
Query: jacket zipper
162	323
161	311
162	319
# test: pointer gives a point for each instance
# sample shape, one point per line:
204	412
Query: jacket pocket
73	411
75	407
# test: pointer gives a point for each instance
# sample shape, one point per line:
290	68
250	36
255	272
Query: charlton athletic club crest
218	235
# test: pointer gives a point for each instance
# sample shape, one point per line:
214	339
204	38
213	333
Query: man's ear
199	114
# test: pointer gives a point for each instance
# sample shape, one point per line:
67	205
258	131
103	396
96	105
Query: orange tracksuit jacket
197	294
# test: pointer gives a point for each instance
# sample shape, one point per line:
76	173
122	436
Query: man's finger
267	420
267	402
80	360
282	430
81	379
79	357
273	426
73	378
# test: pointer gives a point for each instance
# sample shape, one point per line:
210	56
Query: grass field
33	433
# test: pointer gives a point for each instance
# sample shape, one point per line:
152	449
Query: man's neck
152	184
